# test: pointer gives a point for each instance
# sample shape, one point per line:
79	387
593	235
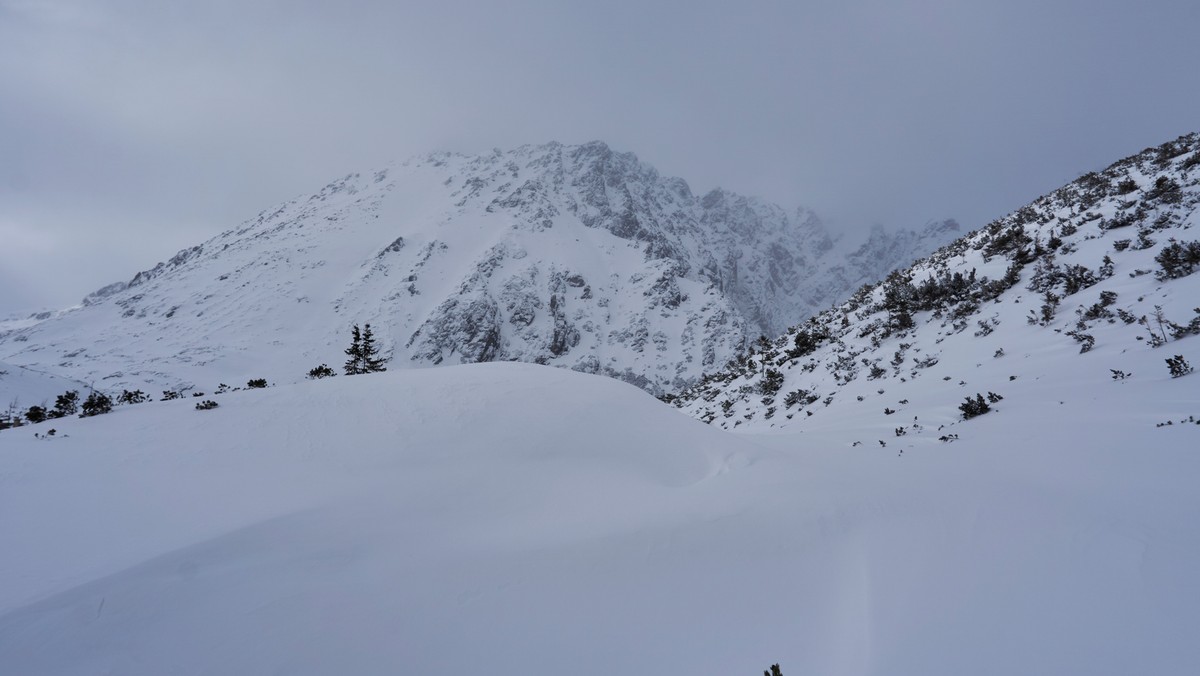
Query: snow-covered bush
97	403
65	404
802	397
1178	366
974	407
1178	259
772	381
134	397
322	371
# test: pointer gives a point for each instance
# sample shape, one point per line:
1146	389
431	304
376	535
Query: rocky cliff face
576	256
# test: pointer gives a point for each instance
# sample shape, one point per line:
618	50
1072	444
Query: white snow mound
516	519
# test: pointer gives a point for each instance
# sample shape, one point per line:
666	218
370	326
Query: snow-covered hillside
575	256
981	466
491	519
1064	303
28	387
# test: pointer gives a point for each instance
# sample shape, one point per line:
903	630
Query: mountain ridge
578	256
1085	277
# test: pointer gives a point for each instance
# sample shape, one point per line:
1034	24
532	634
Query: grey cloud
137	128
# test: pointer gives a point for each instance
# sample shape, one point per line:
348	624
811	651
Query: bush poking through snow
1126	186
97	403
256	384
1178	366
322	371
974	407
134	397
1086	340
1178	260
65	404
206	405
802	397
772	382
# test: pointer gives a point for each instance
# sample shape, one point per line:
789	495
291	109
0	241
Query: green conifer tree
371	361
354	364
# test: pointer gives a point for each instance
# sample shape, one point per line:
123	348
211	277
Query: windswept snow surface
515	519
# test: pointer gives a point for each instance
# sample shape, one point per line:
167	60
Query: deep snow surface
516	519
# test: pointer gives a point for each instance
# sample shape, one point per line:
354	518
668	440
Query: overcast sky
129	130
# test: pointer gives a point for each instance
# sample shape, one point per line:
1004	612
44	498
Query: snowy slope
491	519
575	256
25	320
894	363
28	387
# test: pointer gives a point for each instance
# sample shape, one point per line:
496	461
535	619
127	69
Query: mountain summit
577	256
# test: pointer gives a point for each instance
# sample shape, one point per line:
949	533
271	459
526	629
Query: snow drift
516	519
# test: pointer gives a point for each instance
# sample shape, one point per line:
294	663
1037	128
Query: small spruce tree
363	353
371	361
353	365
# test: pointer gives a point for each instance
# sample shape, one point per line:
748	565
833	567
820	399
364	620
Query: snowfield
515	519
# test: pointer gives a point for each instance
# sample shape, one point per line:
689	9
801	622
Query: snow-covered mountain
1062	303
514	519
576	256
